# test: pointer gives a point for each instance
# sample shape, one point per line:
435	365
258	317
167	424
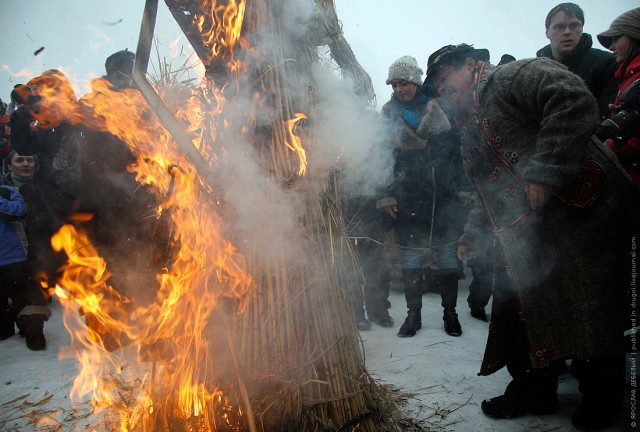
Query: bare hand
537	194
392	211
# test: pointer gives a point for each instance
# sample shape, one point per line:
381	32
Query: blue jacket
12	208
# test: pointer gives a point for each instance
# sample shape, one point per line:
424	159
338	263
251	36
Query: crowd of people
526	171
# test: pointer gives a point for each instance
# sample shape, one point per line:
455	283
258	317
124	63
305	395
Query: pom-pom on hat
405	69
627	24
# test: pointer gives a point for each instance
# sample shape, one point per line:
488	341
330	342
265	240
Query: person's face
453	84
620	48
404	90
564	33
23	166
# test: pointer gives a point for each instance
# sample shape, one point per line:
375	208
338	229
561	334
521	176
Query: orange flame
220	27
295	143
171	330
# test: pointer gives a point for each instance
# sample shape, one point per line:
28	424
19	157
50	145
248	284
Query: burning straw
251	327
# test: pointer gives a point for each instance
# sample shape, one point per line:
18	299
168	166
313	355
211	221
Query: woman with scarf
424	201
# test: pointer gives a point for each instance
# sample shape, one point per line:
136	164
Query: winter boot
451	324
413	296
32	327
448	287
531	393
31	324
411	324
382	318
480	314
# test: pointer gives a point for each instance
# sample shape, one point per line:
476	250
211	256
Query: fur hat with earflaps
405	69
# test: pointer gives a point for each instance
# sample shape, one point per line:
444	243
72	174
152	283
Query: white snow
440	372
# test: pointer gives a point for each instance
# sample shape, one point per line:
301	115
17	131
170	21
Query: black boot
479	313
32	328
447	283
534	392
411	279
411	324
382	318
451	324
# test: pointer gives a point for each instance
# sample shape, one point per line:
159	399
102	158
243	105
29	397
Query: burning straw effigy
251	327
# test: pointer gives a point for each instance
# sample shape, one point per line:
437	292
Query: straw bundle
296	348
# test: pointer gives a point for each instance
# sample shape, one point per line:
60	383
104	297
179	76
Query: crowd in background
526	171
55	166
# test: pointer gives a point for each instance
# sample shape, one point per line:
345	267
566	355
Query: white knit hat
405	69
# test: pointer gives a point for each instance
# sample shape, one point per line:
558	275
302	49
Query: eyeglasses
559	28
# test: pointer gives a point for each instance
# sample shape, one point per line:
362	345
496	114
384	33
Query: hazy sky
78	35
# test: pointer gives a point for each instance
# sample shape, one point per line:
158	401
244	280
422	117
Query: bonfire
251	326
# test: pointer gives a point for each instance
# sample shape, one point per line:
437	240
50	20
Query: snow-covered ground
438	371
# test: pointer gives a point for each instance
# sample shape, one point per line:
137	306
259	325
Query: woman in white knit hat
424	200
623	38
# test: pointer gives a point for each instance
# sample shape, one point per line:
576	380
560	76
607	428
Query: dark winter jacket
534	124
428	177
596	67
12	209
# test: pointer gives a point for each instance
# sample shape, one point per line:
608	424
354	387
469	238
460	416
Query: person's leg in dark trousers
531	390
601	381
412	281
30	305
376	272
481	287
7	313
448	288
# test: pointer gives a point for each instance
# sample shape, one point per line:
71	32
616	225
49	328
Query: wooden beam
170	123
147	29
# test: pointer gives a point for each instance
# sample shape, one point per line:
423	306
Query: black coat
597	69
428	179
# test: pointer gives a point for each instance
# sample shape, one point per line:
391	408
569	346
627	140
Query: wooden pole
147	28
174	128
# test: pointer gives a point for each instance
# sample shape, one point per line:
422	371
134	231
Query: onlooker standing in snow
28	307
570	46
623	38
366	228
423	201
530	155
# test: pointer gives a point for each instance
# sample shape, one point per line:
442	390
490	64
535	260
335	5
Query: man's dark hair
571	9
